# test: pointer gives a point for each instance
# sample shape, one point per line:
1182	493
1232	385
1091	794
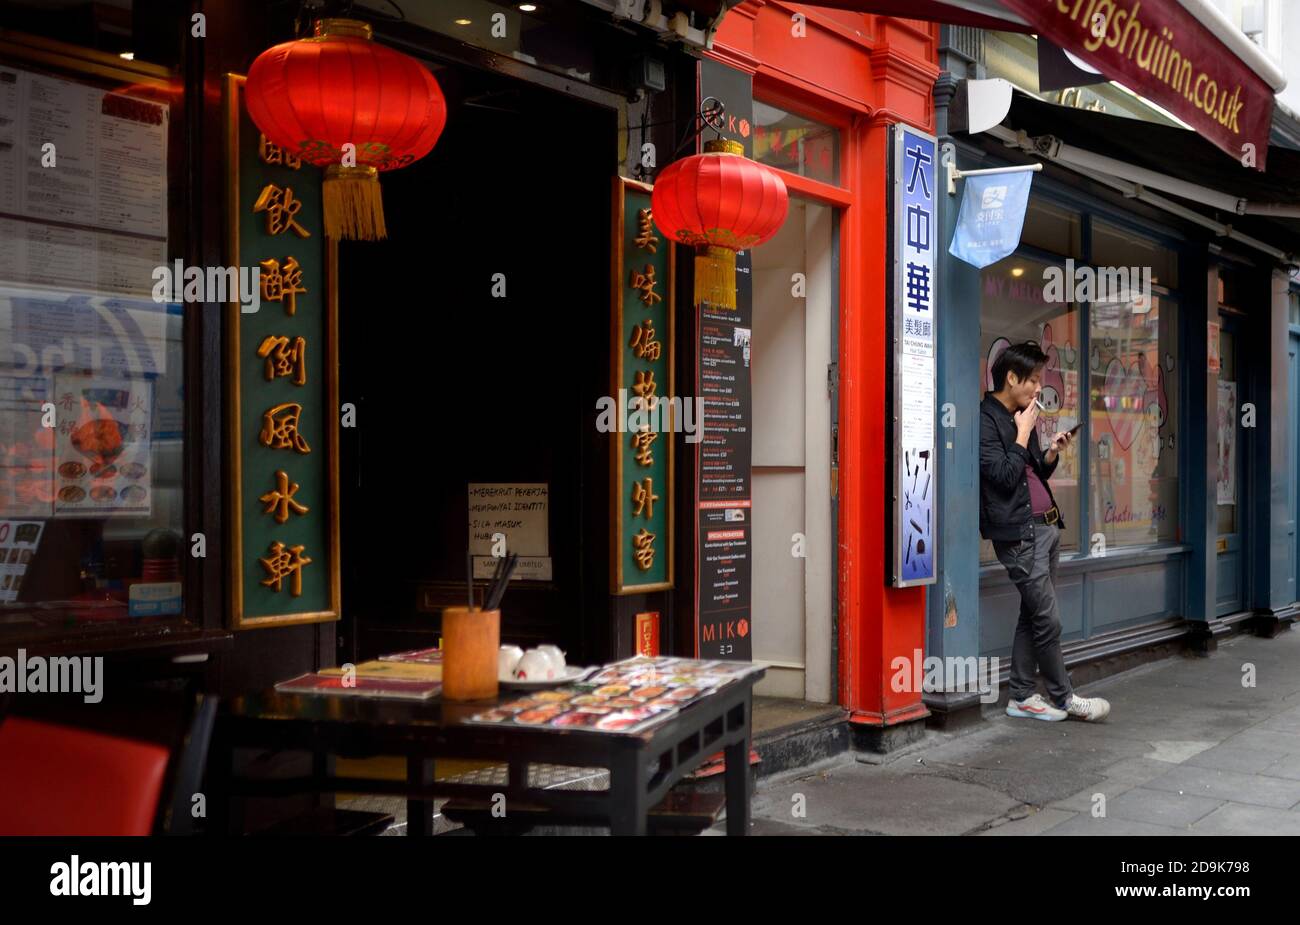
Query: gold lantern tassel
715	276
353	204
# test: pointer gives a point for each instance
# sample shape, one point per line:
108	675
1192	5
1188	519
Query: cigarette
1039	404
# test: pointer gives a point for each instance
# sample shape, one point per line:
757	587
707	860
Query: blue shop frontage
1179	491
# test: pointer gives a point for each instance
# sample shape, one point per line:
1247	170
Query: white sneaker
1088	709
1035	707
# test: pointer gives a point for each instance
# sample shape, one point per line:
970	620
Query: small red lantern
718	202
315	95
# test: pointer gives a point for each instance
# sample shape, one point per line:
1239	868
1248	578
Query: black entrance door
474	344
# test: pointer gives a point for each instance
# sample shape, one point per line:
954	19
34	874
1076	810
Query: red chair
60	780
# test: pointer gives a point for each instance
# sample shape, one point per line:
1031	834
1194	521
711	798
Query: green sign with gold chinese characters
282	401
641	465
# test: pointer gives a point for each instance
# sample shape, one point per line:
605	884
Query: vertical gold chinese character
282	283
281	210
645	235
643	344
643	549
644	498
280	428
644	386
645	283
280	499
641	442
284	562
284	357
276	155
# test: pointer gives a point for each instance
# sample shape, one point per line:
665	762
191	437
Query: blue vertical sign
915	337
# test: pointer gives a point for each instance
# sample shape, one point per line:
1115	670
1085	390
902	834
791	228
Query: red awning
1182	55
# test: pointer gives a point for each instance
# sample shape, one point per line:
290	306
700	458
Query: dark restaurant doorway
474	344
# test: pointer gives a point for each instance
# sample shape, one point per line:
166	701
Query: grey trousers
1031	565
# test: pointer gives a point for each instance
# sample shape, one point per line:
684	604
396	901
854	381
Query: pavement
1192	746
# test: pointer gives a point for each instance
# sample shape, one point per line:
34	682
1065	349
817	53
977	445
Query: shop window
795	143
92	360
1133	398
1130	372
1013	309
1052	228
1114	247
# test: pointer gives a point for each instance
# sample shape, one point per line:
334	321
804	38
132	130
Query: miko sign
914	339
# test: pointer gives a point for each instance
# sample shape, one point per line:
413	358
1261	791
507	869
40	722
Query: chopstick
469	575
497	569
499	591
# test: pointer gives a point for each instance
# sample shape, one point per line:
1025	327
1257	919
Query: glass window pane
1113	247
1012	309
1229	402
1133	397
795	143
91	358
1052	228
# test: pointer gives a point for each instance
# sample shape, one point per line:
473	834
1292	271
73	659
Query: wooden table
642	767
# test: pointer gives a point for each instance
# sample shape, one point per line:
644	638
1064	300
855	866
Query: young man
1019	514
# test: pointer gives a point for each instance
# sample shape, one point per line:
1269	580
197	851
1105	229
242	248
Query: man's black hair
1021	359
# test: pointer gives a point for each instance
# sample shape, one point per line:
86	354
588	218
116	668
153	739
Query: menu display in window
103	464
83	185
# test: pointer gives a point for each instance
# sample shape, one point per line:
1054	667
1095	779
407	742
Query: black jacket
1005	512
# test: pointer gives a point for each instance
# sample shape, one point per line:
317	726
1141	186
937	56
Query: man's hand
1026	421
1060	440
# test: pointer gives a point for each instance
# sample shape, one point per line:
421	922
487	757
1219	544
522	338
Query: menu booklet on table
360	686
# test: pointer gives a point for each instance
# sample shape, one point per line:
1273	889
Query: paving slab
1255	789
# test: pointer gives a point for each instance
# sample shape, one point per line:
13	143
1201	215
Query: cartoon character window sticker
1134	460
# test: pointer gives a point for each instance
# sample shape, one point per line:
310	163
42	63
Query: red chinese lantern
718	202
315	95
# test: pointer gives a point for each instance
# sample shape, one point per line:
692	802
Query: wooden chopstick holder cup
470	640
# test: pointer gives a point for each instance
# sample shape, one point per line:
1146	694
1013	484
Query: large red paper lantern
718	202
315	95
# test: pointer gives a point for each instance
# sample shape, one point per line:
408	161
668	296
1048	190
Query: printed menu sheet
83	185
103	463
626	697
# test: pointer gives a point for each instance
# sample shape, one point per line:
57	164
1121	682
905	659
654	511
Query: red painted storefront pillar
862	73
877	623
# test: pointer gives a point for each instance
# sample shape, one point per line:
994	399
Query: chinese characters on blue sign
915	295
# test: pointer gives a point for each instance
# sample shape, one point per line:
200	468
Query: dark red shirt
1039	500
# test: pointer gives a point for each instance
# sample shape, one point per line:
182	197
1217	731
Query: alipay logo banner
992	216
